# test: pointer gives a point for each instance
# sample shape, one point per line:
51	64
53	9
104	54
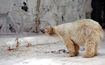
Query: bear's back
77	29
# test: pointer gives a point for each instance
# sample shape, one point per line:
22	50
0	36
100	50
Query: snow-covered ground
39	53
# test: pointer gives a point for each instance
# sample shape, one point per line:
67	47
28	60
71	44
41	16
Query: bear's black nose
42	30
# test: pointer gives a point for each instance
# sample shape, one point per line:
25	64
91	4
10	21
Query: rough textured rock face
17	16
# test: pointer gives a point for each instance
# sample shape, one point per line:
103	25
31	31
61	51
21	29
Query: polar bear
84	32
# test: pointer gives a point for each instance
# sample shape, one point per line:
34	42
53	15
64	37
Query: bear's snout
42	30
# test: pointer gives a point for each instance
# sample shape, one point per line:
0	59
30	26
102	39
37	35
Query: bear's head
50	31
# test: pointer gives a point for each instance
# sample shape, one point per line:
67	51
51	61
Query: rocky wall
17	16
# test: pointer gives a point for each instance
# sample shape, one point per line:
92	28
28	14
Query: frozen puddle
41	55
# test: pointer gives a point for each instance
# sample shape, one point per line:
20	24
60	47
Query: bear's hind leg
90	49
96	50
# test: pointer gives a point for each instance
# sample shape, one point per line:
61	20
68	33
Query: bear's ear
50	26
51	29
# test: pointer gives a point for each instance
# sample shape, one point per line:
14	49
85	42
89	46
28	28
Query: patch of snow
40	53
10	40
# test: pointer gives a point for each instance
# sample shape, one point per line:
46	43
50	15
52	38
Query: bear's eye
47	31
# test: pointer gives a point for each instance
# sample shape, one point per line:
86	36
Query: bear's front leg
76	49
70	46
